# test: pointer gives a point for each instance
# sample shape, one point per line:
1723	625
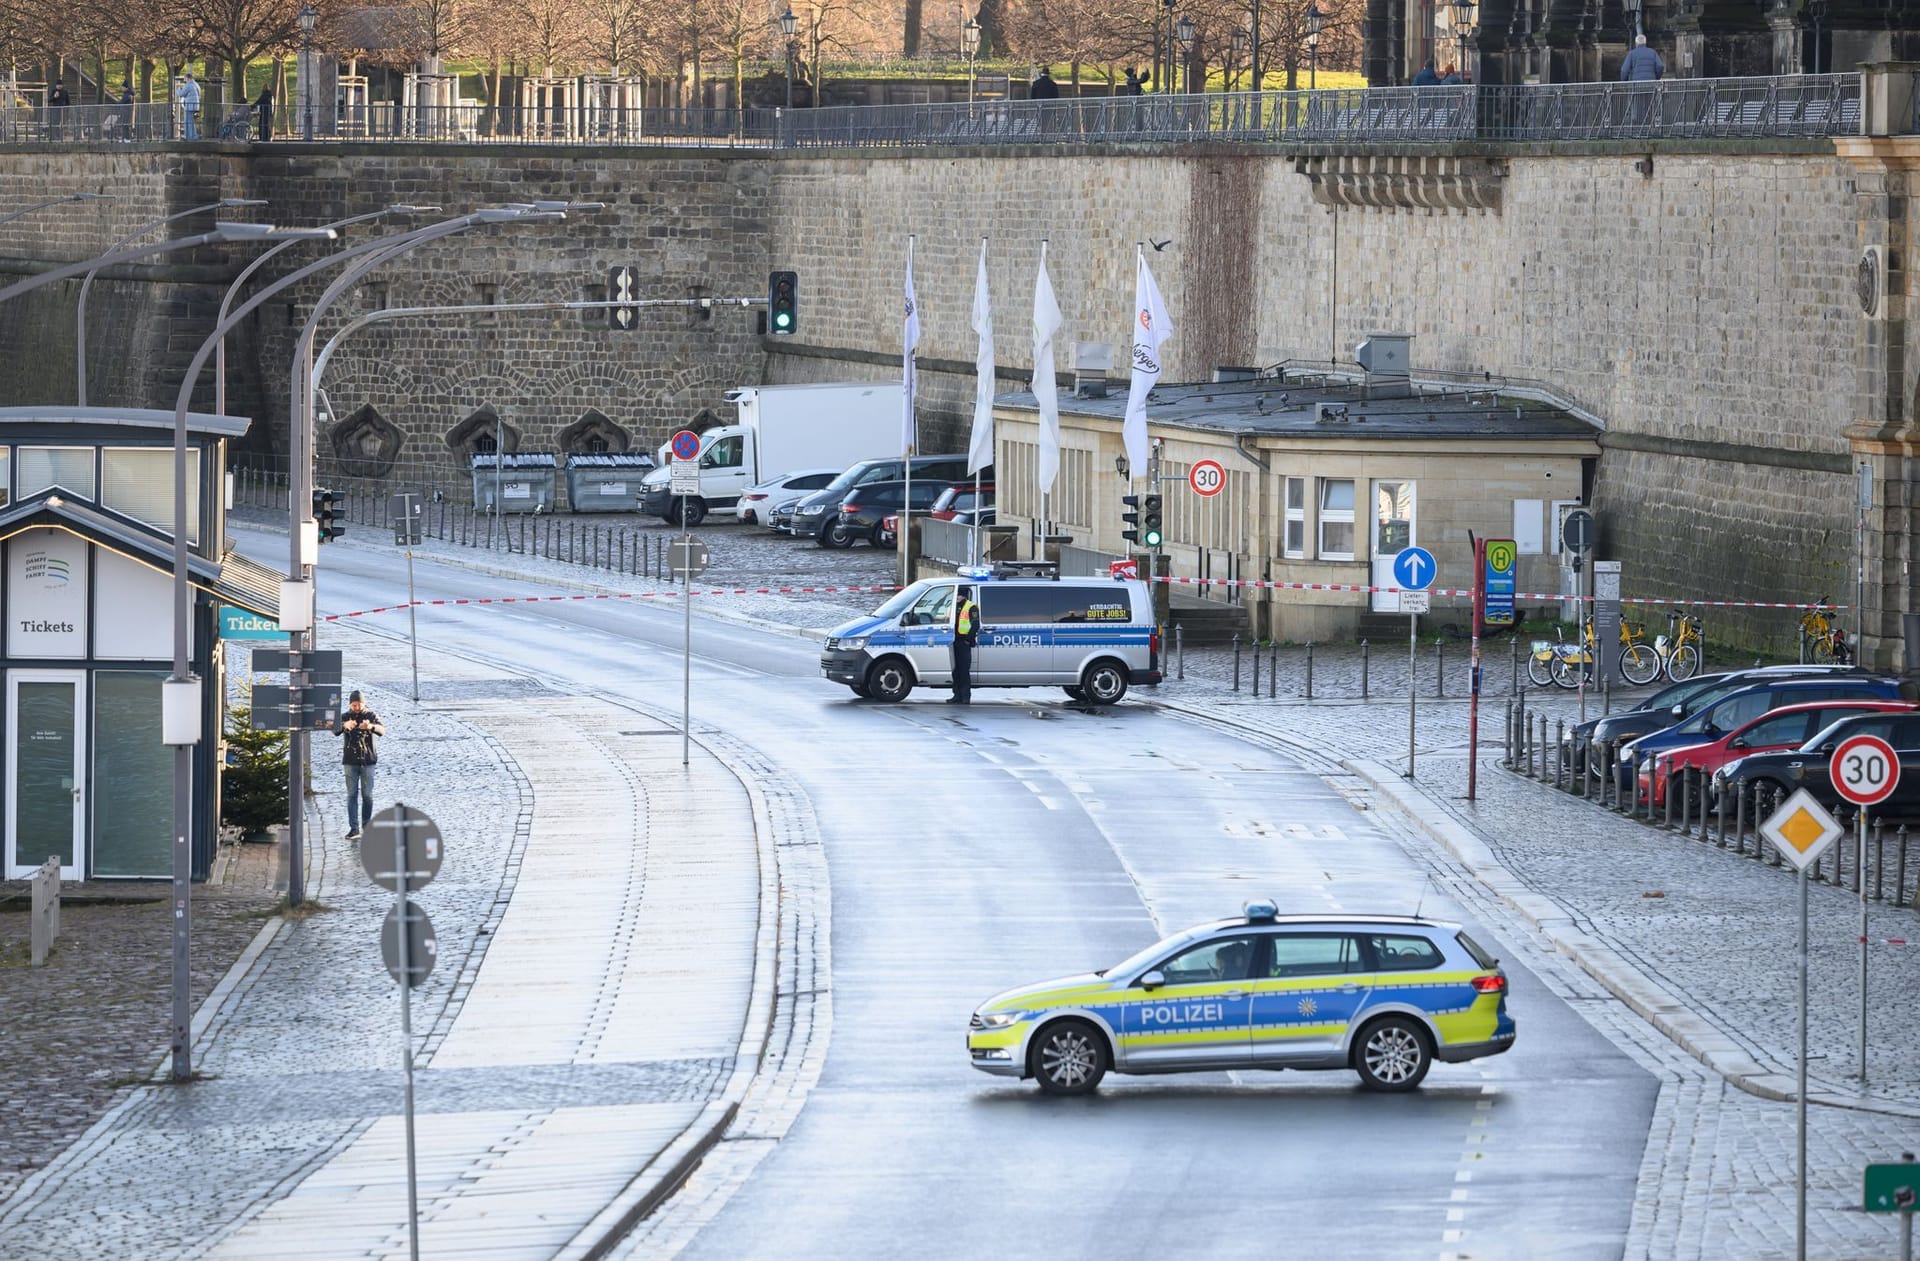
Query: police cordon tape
1268	585
603	595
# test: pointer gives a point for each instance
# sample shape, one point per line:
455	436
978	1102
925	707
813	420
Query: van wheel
690	513
890	680
1104	683
836	535
1068	1058
1392	1054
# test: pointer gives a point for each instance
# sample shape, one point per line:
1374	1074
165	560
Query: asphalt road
973	850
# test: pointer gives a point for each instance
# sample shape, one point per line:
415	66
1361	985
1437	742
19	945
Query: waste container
606	482
521	482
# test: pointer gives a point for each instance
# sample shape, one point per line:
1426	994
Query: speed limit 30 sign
1207	478
1865	770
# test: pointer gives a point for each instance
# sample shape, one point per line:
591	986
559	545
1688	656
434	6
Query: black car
817	516
1671	705
866	506
1806	767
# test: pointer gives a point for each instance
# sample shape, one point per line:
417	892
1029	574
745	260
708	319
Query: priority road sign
1865	770
1579	533
1801	829
686	444
1207	478
1414	568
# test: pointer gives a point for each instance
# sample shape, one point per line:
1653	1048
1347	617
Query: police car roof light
975	571
1261	912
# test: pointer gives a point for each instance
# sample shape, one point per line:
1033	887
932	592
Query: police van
1093	637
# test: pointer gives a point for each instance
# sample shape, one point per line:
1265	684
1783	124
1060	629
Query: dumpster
606	482
523	482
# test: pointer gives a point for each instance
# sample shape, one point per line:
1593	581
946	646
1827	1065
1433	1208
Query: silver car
757	503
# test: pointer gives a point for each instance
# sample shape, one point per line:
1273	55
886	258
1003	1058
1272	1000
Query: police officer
966	629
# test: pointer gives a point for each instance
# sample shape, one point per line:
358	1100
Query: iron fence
1785	106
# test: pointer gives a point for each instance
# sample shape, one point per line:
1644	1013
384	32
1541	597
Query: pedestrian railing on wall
1810	105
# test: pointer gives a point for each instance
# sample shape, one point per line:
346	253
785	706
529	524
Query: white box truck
781	428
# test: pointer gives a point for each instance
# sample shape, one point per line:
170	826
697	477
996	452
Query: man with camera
359	725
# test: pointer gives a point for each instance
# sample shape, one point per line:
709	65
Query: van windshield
903	600
846	480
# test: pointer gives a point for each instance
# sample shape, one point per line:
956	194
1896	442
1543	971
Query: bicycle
1544	660
1821	642
1679	649
1637	661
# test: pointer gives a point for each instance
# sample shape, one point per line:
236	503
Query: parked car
961	498
862	511
817	516
1714	718
758	501
1806	767
1787	727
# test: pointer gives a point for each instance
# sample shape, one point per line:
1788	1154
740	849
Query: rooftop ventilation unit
1091	363
1386	358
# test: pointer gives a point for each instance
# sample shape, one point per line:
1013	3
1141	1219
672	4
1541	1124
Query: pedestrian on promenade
1044	88
966	630
57	103
1425	77
263	106
1450	76
126	94
1134	85
1642	64
187	97
359	725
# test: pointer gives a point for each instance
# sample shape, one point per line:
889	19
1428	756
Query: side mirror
1153	980
1736	744
1678	711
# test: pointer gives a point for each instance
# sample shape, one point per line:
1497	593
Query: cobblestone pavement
543	1084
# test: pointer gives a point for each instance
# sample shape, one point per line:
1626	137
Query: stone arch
476	434
365	444
594	434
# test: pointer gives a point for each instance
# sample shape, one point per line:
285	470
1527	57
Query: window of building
138	481
1295	543
44	467
133	776
1336	518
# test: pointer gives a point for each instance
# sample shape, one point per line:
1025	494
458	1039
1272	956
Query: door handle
1349	988
1236	995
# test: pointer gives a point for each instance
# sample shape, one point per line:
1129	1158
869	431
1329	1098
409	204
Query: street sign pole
1414	569
1800	1091
1473	666
406	1024
1865	770
686	646
413	627
1413	653
1860	877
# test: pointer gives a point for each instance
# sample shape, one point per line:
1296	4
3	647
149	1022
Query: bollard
1309	669
1634	785
1506	730
1180	648
1256	669
1526	744
1606	693
1514	677
1773	803
1559	744
1879	859
1720	820
1440	670
1740	821
1900	872
1273	669
1540	750
1579	771
1363	683
1236	661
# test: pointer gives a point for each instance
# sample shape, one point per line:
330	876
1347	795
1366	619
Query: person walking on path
1425	77
187	97
1641	64
1044	88
966	631
263	108
359	725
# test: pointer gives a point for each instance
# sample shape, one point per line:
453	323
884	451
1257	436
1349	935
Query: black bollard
1514	677
1363	684
1559	743
1440	670
1506	730
1720	820
1180	649
1273	669
1879	859
1256	669
1236	661
1309	669
1740	821
1900	871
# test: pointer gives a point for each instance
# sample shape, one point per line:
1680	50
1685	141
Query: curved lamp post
1316	22
80	320
233	290
57	201
972	33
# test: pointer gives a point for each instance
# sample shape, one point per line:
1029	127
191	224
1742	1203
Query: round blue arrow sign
1414	569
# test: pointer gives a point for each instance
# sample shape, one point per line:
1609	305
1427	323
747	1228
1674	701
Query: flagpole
903	542
1133	474
1042	540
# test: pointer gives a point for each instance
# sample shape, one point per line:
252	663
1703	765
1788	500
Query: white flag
1151	326
980	449
1046	390
908	382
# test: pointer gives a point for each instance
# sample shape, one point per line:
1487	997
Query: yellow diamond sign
1800	829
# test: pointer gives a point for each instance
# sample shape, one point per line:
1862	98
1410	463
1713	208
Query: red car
1787	727
952	502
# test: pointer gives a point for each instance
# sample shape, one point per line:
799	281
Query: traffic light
1131	518
1150	519
783	302
326	515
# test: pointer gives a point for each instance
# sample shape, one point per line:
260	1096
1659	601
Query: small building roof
130	417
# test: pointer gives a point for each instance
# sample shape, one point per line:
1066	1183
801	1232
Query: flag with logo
1047	322
909	381
1151	327
980	449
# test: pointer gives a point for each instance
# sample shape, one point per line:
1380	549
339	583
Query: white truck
781	428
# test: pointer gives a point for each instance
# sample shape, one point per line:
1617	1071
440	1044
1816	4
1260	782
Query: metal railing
1790	105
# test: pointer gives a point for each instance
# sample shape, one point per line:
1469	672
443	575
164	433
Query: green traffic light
782	319
1153	538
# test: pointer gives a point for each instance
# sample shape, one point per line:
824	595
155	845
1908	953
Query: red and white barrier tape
605	595
1262	584
1887	941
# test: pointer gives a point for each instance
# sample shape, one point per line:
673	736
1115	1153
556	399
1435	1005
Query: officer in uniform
966	629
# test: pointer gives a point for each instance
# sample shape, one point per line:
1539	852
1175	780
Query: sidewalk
619	906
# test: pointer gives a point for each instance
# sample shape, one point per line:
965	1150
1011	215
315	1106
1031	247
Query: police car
1093	637
1383	995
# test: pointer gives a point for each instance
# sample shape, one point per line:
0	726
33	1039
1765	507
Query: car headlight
812	510
1727	772
1001	1019
850	642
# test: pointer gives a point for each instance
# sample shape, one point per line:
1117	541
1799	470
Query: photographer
359	725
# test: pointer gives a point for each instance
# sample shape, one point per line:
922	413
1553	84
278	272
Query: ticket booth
86	634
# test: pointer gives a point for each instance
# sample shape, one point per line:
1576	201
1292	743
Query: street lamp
972	30
1633	10
1817	10
1167	83
1238	42
1316	22
94	266
308	17
1184	32
788	25
1462	28
57	201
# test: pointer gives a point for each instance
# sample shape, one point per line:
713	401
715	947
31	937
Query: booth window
1336	518
139	483
133	811
1296	539
42	468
